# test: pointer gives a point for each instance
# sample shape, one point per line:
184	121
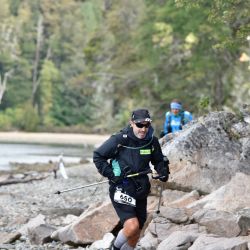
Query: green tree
9	48
49	77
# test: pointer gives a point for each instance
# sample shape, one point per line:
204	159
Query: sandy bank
52	138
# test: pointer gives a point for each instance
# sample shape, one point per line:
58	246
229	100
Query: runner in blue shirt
176	118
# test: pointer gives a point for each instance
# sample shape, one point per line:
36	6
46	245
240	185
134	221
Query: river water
36	153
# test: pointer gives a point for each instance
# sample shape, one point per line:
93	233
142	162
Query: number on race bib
122	198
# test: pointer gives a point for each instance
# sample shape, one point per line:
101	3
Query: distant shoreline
52	138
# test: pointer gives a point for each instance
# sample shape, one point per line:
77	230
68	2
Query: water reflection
35	153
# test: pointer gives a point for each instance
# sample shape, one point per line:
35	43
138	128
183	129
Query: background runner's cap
141	115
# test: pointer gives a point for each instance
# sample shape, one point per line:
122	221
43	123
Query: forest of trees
83	65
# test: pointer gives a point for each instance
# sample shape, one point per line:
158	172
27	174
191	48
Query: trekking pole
75	188
160	195
102	182
139	173
159	202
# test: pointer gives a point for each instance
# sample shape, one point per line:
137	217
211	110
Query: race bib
122	198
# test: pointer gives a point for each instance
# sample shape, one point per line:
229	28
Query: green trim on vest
145	151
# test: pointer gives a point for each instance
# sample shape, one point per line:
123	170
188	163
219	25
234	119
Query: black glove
164	170
163	178
116	179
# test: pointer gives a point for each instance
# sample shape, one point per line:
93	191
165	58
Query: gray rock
7	246
40	234
211	242
231	197
218	222
195	154
175	215
90	227
104	243
34	222
244	221
169	196
148	242
9	237
185	200
178	240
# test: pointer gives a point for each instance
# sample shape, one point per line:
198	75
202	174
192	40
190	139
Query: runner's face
175	111
140	132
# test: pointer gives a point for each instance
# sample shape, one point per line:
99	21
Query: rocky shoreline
23	201
204	205
28	190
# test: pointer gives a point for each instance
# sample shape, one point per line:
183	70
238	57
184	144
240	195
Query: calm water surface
35	153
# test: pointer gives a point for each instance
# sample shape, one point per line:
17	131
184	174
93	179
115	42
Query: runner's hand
163	178
164	170
116	179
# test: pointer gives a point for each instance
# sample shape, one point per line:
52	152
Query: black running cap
141	115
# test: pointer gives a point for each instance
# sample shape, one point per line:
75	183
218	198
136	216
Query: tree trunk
3	83
218	93
35	79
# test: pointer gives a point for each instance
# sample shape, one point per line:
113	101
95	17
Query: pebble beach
20	202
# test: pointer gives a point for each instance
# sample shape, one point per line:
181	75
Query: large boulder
208	152
232	197
218	222
91	226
